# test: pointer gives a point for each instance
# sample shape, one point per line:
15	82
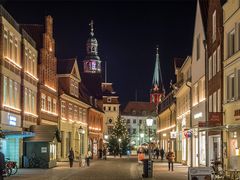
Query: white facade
198	106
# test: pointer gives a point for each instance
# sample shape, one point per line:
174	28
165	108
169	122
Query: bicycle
11	165
218	171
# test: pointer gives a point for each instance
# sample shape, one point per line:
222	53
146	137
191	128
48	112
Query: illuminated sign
12	120
173	135
198	115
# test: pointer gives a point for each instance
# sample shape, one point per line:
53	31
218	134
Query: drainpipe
191	140
206	100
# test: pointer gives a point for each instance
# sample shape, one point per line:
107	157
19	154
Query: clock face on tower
94	66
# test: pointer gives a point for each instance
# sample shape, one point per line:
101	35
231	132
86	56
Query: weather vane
91	24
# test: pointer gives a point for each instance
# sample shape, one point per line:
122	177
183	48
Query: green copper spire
157	76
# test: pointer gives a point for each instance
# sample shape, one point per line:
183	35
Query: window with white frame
84	115
218	59
214	26
81	114
210	103
54	106
75	113
231	87
43	101
63	109
214	64
198	47
231	43
219	100
70	109
49	104
210	68
5	43
215	102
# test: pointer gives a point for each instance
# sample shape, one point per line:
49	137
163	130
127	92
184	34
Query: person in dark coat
2	164
162	153
71	157
157	152
104	153
170	157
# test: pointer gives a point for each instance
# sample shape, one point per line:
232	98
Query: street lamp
149	122
142	135
106	136
119	140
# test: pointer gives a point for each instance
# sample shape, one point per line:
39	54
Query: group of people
157	152
102	154
88	156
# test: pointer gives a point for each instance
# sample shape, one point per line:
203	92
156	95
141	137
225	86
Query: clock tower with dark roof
92	63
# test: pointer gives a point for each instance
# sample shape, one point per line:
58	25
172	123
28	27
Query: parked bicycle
11	165
218	171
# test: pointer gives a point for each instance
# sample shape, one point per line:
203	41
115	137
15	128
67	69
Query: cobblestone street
113	168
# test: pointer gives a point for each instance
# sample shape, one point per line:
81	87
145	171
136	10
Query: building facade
231	98
111	106
166	123
183	101
73	111
214	78
135	114
10	93
198	103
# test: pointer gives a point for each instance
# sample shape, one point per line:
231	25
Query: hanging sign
173	134
188	133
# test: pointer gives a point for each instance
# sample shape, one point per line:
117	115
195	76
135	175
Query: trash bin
147	168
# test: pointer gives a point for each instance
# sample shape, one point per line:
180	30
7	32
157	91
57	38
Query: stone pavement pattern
113	168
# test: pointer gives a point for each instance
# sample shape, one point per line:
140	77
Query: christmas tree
119	139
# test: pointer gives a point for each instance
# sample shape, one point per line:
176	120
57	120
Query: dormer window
108	100
134	112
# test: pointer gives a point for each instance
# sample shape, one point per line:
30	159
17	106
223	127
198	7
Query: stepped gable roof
65	66
36	32
138	108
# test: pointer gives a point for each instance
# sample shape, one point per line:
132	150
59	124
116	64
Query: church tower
157	91
92	63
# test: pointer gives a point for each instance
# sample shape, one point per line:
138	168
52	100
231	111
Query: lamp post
142	136
149	122
119	141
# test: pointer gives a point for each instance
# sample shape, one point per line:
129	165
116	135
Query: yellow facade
231	104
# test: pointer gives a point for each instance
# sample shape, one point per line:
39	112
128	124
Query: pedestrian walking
2	165
100	152
104	153
88	156
71	157
170	158
162	153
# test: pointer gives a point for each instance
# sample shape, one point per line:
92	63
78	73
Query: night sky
127	34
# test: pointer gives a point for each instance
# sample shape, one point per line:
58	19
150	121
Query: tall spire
157	76
157	91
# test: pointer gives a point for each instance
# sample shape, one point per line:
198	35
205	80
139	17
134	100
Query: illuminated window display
202	148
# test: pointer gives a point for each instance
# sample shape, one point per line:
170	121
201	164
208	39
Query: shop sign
214	117
43	149
198	115
12	120
173	135
237	114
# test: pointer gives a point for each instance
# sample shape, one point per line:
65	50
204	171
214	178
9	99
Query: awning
44	133
17	134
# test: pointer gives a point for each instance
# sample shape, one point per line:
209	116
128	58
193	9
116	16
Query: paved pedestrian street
112	168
